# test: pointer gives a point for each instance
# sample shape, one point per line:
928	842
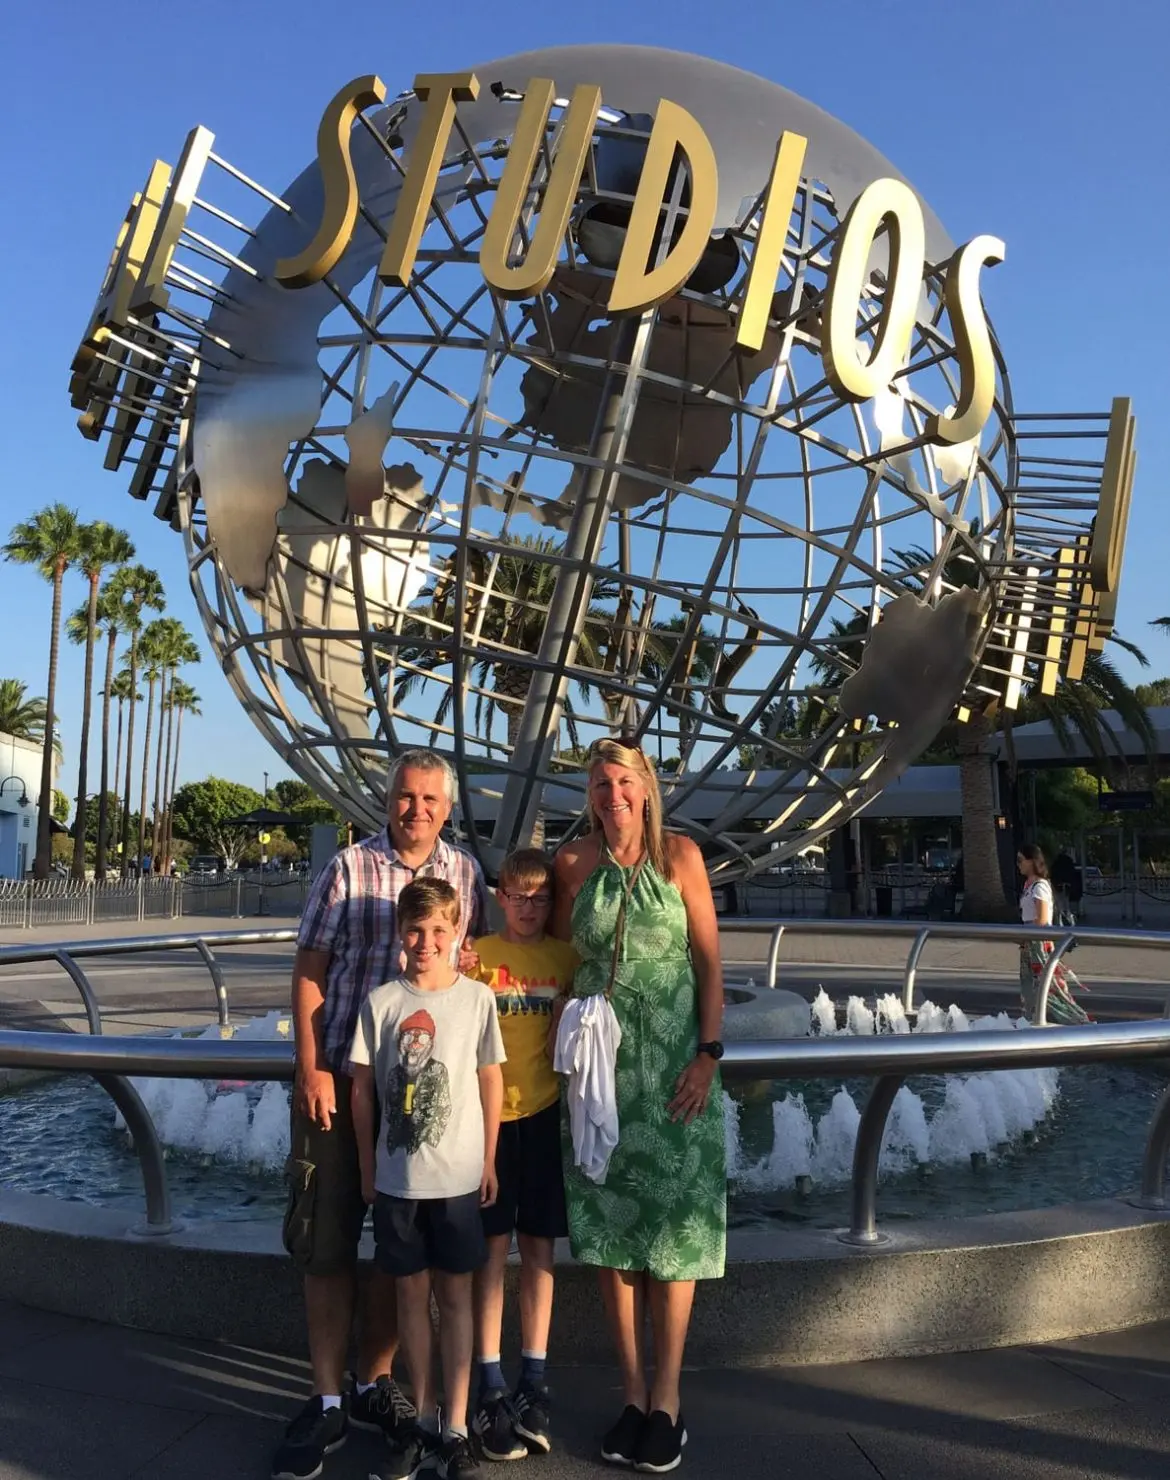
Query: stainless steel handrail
889	1059
65	954
945	930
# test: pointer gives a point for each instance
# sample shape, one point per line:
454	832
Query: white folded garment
587	1045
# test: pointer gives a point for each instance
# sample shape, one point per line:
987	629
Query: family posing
426	1088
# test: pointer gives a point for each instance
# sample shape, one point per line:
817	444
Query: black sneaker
493	1427
621	1443
413	1450
383	1408
660	1446
315	1432
456	1457
532	1415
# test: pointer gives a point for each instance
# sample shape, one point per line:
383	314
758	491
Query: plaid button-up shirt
352	912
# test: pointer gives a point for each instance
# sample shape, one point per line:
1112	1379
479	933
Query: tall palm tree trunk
168	683
125	831
174	784
168	789
118	764
81	816
103	798
44	859
152	682
983	892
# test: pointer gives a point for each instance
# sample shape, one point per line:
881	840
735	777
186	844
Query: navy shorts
531	1199
413	1234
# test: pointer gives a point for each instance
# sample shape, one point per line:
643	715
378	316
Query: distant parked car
206	863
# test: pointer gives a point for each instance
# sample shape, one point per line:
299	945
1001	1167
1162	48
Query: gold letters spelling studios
126	363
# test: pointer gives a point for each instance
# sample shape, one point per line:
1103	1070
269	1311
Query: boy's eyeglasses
537	901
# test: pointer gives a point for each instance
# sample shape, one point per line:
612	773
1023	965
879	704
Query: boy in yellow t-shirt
528	971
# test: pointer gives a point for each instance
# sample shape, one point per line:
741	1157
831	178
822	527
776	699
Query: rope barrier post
863	1230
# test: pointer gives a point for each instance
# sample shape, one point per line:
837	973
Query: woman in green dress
658	1222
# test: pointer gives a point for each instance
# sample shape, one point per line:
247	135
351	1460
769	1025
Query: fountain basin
801	1297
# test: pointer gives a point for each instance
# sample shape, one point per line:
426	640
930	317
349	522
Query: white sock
330	1400
364	1387
455	1428
429	1423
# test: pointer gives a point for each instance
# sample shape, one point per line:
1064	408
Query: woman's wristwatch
713	1050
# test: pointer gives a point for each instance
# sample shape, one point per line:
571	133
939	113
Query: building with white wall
20	780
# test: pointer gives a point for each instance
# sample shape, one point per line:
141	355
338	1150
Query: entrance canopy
1037	747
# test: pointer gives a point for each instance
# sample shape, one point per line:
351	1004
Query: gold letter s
972	342
341	194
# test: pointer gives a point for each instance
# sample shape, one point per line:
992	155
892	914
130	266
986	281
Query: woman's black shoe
660	1445
620	1445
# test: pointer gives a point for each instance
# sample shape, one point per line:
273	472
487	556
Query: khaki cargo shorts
325	1211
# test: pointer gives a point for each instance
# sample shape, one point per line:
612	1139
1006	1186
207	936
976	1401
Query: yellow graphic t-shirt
527	979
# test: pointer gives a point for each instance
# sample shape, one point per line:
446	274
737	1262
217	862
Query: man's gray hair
422	760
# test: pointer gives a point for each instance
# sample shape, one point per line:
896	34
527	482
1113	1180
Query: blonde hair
615	753
527	868
426	897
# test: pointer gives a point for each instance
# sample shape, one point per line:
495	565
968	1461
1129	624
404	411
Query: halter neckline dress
663	1205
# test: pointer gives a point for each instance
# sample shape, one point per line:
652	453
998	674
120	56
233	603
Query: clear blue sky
1044	122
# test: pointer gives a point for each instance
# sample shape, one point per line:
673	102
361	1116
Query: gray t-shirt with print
426	1049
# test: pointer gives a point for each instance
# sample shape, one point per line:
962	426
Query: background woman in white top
1036	909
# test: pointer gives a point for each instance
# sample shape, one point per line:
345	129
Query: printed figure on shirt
418	1090
530	973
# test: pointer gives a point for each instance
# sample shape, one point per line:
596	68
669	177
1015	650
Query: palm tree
122	693
184	700
20	716
1161	622
114	617
101	546
152	649
176	647
138	588
50	540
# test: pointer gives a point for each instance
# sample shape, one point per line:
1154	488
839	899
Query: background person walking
1036	909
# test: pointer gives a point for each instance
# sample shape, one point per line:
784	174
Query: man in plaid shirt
349	943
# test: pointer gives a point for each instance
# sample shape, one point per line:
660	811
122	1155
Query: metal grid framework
592	526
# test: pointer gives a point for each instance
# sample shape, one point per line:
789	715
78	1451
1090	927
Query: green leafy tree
60	806
1155	693
203	812
50	540
19	715
101	546
139	589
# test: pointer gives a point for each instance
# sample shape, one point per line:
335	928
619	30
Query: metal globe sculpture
480	509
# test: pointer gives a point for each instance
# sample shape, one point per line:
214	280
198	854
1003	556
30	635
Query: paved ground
100	1403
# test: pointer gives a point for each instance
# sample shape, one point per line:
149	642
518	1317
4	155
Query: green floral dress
663	1206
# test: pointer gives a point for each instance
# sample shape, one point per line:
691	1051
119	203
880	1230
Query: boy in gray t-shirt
428	1051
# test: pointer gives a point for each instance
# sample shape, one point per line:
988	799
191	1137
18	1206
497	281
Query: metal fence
27	903
888	1060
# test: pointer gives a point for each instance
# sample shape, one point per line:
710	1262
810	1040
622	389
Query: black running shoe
413	1450
383	1408
456	1458
315	1432
532	1415
493	1427
621	1443
661	1443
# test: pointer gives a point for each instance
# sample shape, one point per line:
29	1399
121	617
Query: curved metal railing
1063	940
889	1060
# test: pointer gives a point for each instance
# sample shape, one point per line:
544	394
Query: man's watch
714	1049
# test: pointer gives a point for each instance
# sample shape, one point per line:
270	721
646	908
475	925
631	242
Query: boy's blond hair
426	897
527	868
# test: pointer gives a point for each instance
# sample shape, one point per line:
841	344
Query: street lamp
23	799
